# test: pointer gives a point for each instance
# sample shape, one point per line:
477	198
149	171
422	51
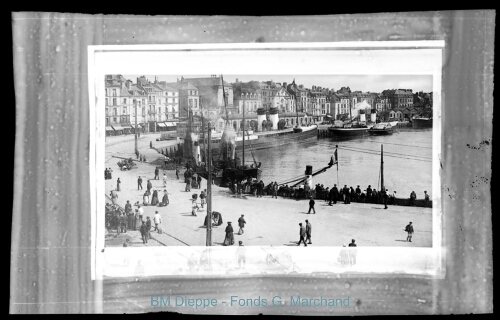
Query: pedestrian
139	183
128	207
229	239
358	194
157	220
385	194
123	223
241	223
275	189
165	200
113	196
140	210
352	252
188	184
144	232
344	255
164	180
177	172
148	224
426	197
202	198
131	220
149	186
150	144
154	198
109	174
345	192
308	232
165	160
157	172
240	254
106	174
194	204
118	184
144	158
413	197
302	233
369	194
198	179
145	198
311	205
409	229
137	220
333	195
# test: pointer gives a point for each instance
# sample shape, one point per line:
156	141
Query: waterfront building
117	103
210	91
188	99
247	96
282	100
399	98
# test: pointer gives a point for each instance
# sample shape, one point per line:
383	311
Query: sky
365	83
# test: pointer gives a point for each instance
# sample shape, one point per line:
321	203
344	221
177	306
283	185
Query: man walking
141	212
345	192
144	232
177	172
308	232
164	180
302	233
198	180
275	190
241	223
413	197
139	183
118	184
311	206
157	220
123	223
409	229
149	186
157	172
202	198
385	195
426	197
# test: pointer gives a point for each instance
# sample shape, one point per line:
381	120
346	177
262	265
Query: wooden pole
209	188
382	167
135	129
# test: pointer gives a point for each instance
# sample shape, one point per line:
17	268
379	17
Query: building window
124	110
114	101
124	101
114	120
106	101
114	92
115	111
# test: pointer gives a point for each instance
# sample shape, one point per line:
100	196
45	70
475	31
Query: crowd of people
345	194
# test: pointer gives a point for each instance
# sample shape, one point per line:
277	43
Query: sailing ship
227	167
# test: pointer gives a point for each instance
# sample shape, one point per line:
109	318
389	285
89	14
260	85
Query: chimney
128	84
236	80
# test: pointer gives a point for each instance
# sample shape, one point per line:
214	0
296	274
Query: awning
108	128
118	127
168	124
161	124
133	126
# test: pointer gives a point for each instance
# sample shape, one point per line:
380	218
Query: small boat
382	128
348	130
421	122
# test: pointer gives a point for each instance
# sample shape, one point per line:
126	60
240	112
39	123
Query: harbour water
407	162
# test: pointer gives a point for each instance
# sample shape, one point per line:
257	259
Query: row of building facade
161	105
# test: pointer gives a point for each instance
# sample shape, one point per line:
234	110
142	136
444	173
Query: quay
270	222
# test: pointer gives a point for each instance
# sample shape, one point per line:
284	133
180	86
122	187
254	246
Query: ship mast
382	167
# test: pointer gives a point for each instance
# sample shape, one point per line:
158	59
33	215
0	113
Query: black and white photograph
286	165
259	160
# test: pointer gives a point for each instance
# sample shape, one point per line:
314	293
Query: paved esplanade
269	221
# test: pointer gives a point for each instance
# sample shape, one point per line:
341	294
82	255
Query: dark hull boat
348	132
421	123
381	129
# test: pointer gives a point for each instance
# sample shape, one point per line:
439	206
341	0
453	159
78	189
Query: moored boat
382	128
421	122
348	130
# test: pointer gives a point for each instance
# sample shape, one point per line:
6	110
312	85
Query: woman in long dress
118	184
145	198
229	240
154	199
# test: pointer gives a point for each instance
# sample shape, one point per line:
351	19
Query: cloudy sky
365	83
